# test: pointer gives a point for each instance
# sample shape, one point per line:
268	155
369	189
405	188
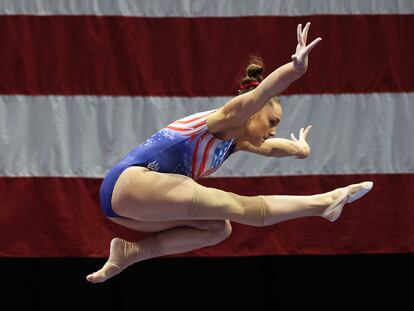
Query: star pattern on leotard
167	134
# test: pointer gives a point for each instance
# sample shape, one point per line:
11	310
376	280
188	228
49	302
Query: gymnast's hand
302	145
300	58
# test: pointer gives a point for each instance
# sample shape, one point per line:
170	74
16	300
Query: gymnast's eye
274	122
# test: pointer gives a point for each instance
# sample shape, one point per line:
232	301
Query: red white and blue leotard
184	147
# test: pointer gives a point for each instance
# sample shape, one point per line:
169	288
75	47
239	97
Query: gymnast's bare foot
122	254
339	197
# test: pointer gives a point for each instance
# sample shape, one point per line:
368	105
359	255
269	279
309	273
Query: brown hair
253	73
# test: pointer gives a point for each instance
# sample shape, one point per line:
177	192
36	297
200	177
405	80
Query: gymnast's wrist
301	153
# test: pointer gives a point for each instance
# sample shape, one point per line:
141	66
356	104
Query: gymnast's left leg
185	237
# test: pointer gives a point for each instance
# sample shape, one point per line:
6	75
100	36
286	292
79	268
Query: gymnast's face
263	124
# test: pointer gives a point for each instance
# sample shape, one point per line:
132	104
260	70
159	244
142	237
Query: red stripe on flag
60	217
110	55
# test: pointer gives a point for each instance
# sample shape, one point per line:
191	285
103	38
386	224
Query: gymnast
154	189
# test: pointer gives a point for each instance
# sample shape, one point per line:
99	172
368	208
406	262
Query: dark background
255	283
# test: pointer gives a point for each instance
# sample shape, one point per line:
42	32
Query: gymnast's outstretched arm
239	109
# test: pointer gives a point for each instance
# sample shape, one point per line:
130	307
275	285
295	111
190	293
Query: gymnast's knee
211	203
220	230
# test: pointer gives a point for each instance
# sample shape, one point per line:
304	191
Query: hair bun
254	71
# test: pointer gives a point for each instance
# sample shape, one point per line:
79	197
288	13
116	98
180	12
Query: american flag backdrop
84	82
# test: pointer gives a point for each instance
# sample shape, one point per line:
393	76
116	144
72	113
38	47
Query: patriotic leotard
184	147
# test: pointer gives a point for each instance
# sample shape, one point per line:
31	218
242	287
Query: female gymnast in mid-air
153	188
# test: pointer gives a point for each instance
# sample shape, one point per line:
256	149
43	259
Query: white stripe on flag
200	8
83	136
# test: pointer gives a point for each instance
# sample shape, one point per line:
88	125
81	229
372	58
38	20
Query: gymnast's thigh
157	226
145	195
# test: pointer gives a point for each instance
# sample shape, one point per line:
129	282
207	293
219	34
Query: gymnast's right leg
145	195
